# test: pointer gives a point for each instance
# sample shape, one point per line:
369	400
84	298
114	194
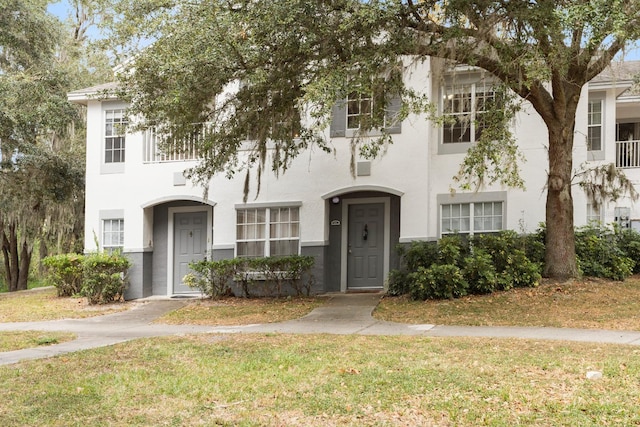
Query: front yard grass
321	380
587	303
18	340
241	311
43	304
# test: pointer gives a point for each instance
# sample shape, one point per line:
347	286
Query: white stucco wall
411	167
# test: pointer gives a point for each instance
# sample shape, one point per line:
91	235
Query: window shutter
338	120
393	108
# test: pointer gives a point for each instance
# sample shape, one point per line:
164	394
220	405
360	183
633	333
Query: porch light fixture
335	200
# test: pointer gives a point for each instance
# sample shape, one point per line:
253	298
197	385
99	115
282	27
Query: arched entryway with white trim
364	228
179	230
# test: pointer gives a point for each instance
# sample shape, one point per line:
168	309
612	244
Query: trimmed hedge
100	277
104	277
65	273
267	276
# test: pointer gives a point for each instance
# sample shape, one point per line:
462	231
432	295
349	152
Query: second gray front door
189	244
365	252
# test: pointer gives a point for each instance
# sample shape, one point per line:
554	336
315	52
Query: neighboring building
138	200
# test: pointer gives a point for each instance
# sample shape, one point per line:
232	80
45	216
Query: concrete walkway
343	314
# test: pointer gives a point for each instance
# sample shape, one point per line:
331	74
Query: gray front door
365	252
189	244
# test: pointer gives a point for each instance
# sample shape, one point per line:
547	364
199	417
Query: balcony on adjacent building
628	154
628	144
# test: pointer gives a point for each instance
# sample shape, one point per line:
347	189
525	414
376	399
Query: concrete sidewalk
343	314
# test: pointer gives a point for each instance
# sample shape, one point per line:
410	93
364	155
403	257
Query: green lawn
320	380
242	311
18	340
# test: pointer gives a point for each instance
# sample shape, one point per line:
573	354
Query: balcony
157	149
628	154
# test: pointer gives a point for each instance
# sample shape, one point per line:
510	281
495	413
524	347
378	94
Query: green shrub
499	246
212	278
65	273
438	282
243	274
600	255
104	277
519	272
480	273
398	282
533	245
629	242
413	256
266	276
418	254
452	249
293	271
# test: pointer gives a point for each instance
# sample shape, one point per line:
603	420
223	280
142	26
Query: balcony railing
628	154
158	149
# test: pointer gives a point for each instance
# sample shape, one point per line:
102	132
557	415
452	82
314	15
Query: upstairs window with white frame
463	106
594	124
268	231
113	235
359	106
115	125
471	218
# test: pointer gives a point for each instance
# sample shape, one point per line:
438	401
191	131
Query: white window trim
110	248
267	232
107	215
360	99
472	230
456	80
462	198
460	76
593	155
109	168
357	132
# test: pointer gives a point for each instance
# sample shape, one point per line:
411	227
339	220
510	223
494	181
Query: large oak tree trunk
560	255
25	263
17	259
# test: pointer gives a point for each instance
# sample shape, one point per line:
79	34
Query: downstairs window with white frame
113	235
471	218
270	231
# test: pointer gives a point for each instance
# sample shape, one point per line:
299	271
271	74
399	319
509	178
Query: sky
62	9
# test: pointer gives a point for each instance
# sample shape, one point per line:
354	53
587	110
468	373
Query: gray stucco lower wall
333	251
160	242
139	275
318	271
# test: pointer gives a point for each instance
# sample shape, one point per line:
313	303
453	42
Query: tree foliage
257	68
41	133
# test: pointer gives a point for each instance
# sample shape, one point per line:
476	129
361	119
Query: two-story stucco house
138	200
